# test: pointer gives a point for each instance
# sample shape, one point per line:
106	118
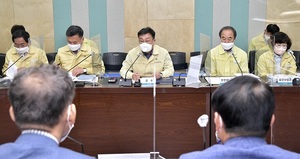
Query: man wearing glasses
277	60
151	56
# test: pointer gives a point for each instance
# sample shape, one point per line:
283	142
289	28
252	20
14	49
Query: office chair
51	57
179	60
251	61
204	55
113	60
297	57
2	60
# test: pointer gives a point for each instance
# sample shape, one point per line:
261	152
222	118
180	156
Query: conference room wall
178	23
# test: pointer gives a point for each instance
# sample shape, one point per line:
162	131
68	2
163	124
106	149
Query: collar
245	141
40	132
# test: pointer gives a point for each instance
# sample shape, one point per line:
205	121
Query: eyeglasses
20	45
281	45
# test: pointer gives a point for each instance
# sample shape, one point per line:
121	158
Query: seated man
72	56
262	40
243	114
151	55
21	27
42	108
23	54
226	59
277	61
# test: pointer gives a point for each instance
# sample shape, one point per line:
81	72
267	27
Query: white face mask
145	47
22	50
74	47
70	126
267	37
279	50
227	46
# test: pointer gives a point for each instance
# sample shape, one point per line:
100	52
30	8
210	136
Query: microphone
13	64
91	54
124	82
179	82
202	121
292	54
81	144
236	61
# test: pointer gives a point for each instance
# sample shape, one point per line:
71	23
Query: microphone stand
81	144
125	82
179	82
12	64
91	54
236	61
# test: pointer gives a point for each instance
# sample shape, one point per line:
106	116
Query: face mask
74	47
227	46
145	47
279	50
22	50
70	126
267	37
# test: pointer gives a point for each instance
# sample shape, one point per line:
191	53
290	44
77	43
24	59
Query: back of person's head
228	28
272	28
146	30
74	30
246	106
21	34
40	95
280	38
17	27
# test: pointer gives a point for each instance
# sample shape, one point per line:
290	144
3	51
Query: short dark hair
74	30
146	30
39	95
17	27
21	34
228	28
281	37
272	28
246	106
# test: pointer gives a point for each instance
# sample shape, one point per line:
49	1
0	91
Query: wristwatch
84	70
161	75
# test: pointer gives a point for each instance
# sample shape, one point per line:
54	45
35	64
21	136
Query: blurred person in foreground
41	106
243	114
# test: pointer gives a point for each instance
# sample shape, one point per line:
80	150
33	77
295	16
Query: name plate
147	81
281	80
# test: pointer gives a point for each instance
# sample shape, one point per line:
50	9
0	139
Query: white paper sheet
192	79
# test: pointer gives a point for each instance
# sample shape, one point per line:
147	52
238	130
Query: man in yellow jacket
23	54
76	51
277	61
226	59
148	55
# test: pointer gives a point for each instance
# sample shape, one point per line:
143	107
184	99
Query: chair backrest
251	61
51	57
2	60
204	53
113	60
179	60
297	56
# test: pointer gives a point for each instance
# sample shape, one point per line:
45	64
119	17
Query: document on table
192	79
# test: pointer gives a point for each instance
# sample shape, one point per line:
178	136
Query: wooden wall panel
286	14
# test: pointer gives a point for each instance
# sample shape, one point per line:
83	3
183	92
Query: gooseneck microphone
202	121
91	54
81	144
236	61
292	54
124	82
22	55
178	82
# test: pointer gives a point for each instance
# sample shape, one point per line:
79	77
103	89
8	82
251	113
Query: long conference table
113	119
